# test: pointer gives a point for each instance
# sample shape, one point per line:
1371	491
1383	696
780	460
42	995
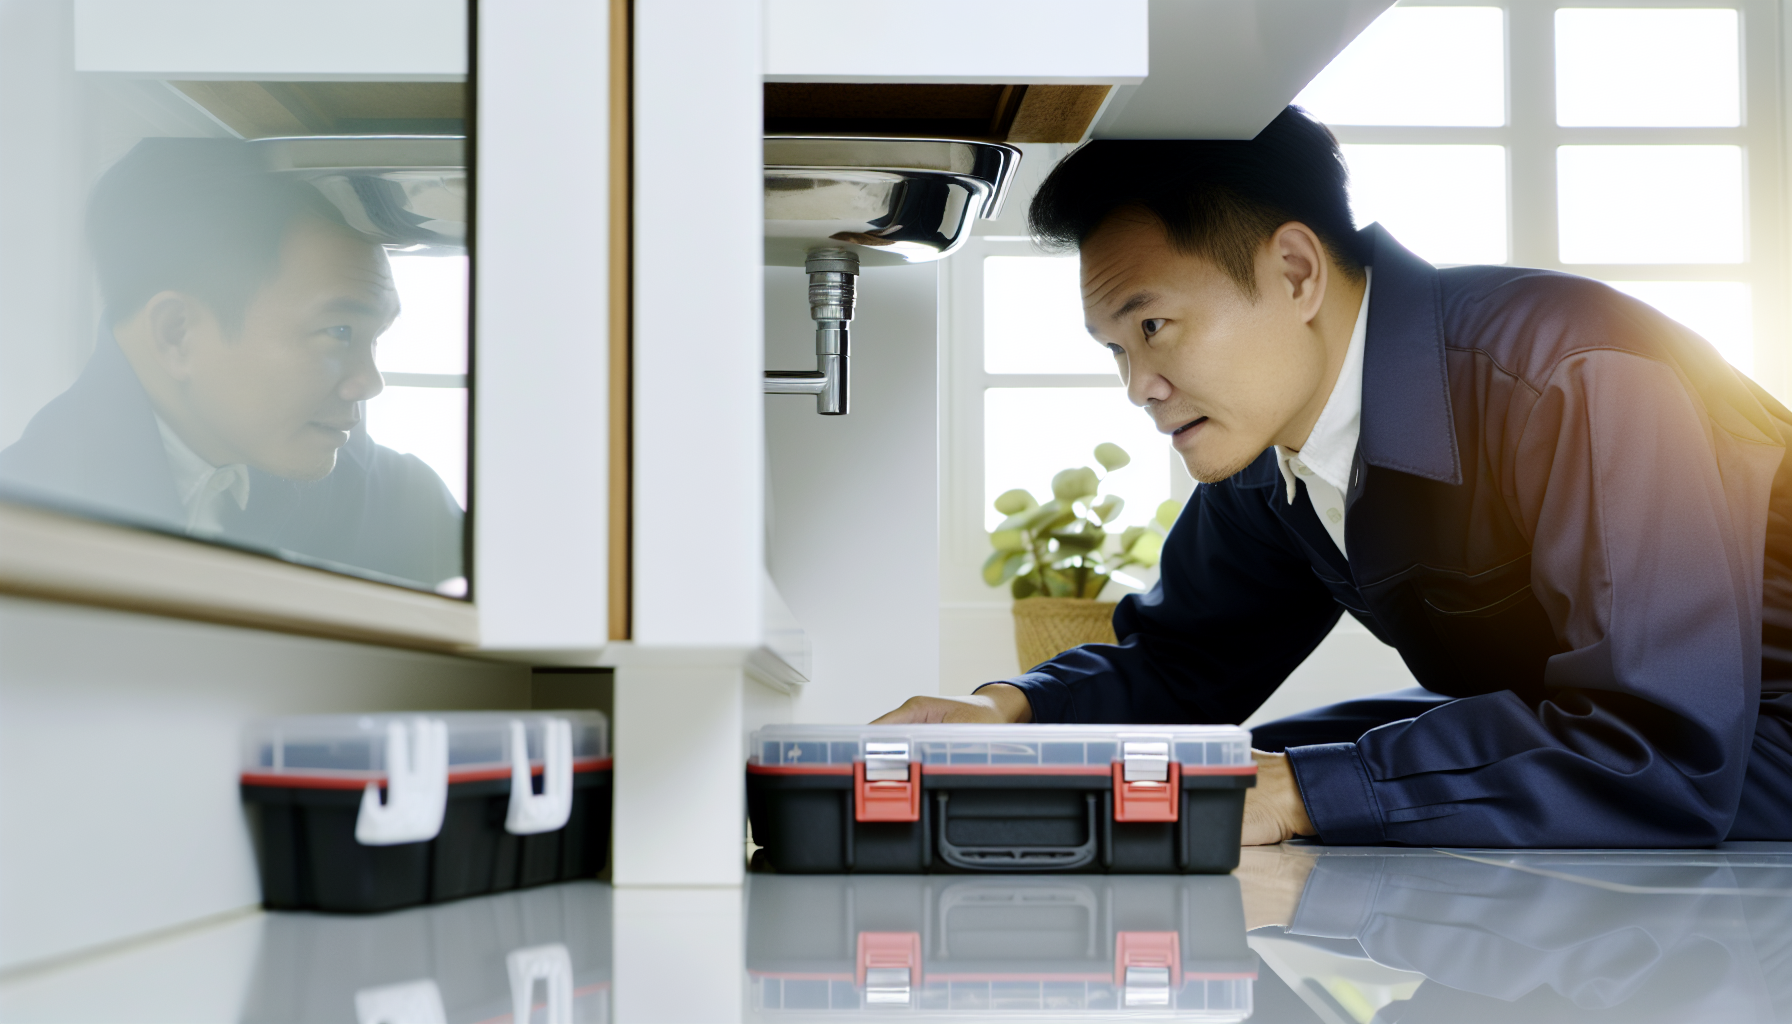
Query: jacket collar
1407	424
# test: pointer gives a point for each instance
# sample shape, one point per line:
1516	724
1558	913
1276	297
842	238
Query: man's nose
1143	384
362	380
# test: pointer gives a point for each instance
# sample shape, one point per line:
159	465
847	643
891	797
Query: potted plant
1057	557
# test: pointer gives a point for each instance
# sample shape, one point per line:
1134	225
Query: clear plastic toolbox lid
355	746
1208	746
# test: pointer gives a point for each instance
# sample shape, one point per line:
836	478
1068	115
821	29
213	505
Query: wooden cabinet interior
1000	113
259	110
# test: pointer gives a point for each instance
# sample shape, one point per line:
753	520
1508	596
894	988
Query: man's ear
172	319
1301	257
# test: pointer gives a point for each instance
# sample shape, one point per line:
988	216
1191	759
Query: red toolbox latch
889	967
886	784
1147	783
1147	967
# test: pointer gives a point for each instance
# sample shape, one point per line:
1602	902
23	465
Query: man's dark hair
200	216
1220	200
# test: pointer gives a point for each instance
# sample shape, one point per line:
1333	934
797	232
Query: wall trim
61	558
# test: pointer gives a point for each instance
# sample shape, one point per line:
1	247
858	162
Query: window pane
430	335
1029	434
430	423
1650	204
1033	318
1445	203
1647	68
1718	311
1417	65
199	274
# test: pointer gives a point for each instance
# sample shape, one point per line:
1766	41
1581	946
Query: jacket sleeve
1646	508
1236	608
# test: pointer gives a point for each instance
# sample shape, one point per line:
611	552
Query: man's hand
997	703
1274	811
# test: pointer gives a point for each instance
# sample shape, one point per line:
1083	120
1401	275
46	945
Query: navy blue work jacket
1566	510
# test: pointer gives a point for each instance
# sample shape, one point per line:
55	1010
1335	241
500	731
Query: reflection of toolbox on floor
908	798
544	950
373	812
1058	947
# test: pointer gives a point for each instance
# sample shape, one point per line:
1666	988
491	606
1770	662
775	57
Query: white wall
119	810
853	500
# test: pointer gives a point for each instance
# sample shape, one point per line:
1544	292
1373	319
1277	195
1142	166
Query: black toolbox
1034	947
944	798
363	813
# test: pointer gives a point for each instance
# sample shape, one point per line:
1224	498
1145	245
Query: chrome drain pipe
831	292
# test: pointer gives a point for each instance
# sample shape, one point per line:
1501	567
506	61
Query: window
1030	393
1632	142
237	302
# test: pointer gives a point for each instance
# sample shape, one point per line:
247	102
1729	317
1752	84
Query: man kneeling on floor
1568	513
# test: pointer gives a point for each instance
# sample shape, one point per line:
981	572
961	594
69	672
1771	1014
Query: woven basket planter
1045	627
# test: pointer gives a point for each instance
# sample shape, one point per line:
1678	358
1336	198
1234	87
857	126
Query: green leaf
1081	541
1131	537
1023	587
1111	456
1059	584
1072	484
1033	518
1167	513
1057	522
1017	500
1001	566
1108	508
1147	549
1008	540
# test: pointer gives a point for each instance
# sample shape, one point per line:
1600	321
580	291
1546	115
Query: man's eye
1152	326
341	332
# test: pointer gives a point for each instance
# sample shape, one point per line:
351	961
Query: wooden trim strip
621	537
57	557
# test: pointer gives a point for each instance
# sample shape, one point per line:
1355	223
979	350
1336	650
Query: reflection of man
224	397
1569	514
1541	942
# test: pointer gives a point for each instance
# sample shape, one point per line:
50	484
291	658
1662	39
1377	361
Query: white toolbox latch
1147	760
416	787
550	964
886	762
1147	986
530	814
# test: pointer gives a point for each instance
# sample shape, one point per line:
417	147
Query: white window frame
964	542
1530	137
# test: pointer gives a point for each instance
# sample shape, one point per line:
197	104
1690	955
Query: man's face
1222	374
283	394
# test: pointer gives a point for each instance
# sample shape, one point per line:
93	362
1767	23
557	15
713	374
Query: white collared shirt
202	487
1323	463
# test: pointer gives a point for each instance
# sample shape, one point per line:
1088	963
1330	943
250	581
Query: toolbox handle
1016	858
529	813
416	786
552	964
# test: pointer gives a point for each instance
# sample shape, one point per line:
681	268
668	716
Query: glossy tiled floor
1298	934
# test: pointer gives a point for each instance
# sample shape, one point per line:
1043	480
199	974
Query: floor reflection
539	954
1422	936
989	947
1300	934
